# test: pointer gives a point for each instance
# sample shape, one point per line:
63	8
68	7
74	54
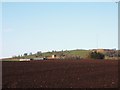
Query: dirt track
60	74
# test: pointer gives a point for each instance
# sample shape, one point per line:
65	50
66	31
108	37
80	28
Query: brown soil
60	74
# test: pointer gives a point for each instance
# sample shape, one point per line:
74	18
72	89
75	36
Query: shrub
96	55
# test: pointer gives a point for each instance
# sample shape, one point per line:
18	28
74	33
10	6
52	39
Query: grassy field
8	60
81	53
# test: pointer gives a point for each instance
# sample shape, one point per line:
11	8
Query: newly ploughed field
60	74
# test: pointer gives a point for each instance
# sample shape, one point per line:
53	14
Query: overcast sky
32	27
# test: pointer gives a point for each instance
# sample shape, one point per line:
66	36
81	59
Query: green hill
80	53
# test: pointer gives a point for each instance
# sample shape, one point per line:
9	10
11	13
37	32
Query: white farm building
24	59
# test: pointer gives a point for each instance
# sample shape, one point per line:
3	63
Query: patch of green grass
10	60
81	53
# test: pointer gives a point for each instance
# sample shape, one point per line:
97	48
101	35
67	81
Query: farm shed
24	59
53	56
39	59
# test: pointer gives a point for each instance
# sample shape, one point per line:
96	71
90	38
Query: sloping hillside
80	53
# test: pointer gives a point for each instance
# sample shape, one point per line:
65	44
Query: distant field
82	53
60	74
10	60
